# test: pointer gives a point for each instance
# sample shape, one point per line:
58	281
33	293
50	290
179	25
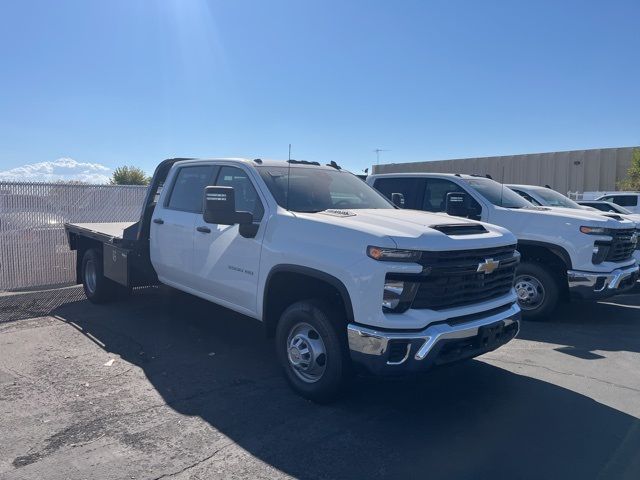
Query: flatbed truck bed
112	232
124	252
123	247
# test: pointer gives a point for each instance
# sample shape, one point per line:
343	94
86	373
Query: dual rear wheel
97	287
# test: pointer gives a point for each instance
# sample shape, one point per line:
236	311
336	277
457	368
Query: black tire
97	287
538	291
310	318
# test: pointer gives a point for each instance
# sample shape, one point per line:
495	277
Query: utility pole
378	150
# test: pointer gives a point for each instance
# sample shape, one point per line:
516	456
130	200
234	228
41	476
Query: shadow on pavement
468	421
583	327
22	305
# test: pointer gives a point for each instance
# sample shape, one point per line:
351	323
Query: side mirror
457	204
220	207
397	199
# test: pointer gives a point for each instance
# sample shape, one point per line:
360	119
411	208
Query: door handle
159	221
204	229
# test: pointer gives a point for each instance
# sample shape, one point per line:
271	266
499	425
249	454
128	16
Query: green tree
632	182
129	175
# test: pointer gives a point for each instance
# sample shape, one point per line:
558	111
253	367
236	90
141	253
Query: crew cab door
225	263
173	224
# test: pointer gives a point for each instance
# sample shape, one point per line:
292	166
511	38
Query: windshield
498	194
608	207
315	190
555	199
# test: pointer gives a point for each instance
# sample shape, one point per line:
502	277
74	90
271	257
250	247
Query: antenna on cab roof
288	175
502	188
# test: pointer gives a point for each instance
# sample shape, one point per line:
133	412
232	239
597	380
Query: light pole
378	150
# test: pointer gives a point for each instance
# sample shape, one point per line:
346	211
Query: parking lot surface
169	386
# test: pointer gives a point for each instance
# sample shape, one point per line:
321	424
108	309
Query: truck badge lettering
240	270
217	197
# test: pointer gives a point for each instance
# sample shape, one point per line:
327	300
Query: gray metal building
573	171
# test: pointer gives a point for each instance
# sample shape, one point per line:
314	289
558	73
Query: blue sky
135	81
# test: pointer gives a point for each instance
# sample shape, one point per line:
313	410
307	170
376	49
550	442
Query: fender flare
557	250
313	273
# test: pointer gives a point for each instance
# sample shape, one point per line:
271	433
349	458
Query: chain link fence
33	246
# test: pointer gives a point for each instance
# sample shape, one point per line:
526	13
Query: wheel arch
533	249
553	257
81	245
286	284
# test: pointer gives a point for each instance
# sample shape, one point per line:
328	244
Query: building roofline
514	155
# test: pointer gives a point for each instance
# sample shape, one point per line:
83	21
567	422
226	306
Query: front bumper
381	351
588	285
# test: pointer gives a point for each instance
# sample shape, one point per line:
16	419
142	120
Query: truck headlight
600	251
398	295
393	254
594	230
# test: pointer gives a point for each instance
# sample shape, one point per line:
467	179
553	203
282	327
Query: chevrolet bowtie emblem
488	266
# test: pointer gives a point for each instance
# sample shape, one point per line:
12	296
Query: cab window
435	194
527	197
247	199
188	188
623	200
411	189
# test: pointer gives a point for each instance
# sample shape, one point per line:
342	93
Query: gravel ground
173	387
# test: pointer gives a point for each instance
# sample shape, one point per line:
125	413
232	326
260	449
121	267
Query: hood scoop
460	229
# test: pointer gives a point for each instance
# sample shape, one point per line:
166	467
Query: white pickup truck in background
628	200
546	197
338	274
609	207
564	252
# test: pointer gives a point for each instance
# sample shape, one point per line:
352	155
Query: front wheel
537	289
312	350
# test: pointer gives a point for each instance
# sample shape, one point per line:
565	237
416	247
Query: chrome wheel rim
306	353
90	276
530	292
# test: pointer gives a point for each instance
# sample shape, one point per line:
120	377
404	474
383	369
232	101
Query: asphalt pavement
169	386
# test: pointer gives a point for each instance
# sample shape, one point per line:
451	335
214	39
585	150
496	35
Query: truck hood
412	229
591	219
633	217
